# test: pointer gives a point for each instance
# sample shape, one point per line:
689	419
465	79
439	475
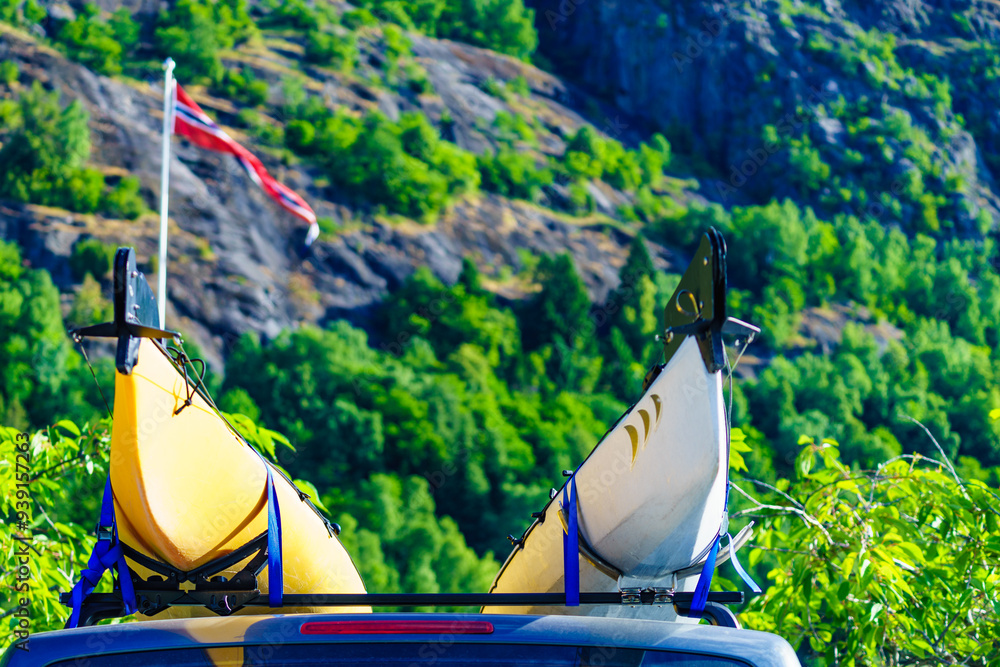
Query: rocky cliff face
235	259
712	74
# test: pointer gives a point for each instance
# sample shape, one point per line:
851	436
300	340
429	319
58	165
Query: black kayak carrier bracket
136	314
698	306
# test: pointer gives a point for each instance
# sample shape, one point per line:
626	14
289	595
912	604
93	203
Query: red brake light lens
401	627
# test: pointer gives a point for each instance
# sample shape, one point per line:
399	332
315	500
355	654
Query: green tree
188	33
40	376
892	565
42	159
124	200
90	41
91	257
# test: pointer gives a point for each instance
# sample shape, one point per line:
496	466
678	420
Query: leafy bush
99	45
501	25
124	200
403	166
188	34
241	85
8	73
192	33
590	156
40	374
299	135
124	29
296	14
42	159
90	306
332	49
866	564
91	257
512	174
17	12
358	18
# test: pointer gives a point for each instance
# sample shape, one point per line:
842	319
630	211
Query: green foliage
558	332
882	566
124	29
187	33
25	13
407	408
192	33
42	158
58	496
90	306
40	376
90	41
512	173
91	257
8	73
299	135
241	85
501	25
401	545
332	49
588	155
124	200
296	14
404	166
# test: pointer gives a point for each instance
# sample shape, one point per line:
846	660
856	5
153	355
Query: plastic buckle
631	596
662	596
724	526
104	534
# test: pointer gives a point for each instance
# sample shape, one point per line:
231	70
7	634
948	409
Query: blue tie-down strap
106	555
705	581
275	573
571	546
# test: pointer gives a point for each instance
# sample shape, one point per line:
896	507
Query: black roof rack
100	606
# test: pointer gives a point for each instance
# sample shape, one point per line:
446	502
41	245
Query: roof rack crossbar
108	603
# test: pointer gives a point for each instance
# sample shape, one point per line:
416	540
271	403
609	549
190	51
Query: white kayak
651	496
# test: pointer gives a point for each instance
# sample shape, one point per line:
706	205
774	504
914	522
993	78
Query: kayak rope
182	360
78	339
107	555
571	545
708	570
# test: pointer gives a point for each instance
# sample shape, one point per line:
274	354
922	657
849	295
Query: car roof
756	648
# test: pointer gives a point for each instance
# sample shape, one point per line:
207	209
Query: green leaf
310	489
804	462
68	426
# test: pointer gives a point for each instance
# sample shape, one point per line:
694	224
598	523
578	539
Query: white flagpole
168	130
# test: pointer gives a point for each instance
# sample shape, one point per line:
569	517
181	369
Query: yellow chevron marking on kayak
645	423
658	404
633	433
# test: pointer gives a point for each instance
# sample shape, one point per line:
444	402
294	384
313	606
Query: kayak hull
651	497
189	490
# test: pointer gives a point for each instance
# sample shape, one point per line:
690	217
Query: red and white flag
191	122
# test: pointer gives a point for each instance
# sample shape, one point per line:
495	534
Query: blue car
403	640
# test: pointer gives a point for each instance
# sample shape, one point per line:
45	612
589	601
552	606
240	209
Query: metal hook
696	313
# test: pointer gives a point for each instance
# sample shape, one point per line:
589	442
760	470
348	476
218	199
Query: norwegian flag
191	122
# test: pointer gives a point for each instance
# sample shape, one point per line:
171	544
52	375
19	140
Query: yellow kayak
197	514
188	489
